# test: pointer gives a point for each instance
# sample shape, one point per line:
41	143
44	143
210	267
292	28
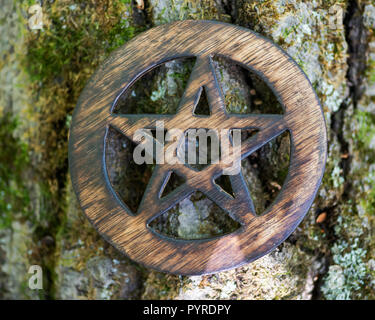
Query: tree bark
331	255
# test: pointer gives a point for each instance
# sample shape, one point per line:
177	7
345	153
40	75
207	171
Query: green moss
161	286
365	129
77	36
59	60
368	202
14	198
174	10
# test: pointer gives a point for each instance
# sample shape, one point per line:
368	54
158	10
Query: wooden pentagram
303	118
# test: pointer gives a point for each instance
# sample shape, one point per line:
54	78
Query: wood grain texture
258	235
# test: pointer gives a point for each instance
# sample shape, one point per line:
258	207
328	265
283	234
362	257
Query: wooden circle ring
257	235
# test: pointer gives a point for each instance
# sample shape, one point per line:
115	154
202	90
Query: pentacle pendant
129	231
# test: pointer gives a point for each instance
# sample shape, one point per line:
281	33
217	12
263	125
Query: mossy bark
331	255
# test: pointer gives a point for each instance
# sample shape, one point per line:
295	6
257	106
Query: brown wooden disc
257	235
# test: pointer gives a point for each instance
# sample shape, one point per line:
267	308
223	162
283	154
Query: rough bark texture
331	255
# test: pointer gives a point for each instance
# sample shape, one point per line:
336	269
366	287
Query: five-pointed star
202	76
